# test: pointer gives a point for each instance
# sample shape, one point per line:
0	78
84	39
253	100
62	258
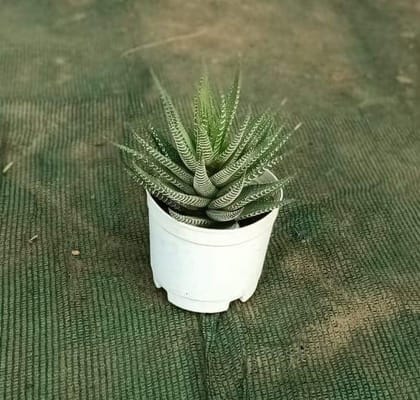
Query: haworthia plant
208	175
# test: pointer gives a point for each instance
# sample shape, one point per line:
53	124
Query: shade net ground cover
336	313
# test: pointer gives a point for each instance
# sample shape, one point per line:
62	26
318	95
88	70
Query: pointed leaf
207	108
168	201
258	208
227	198
168	163
235	168
192	220
233	145
232	170
179	134
169	178
248	136
267	161
231	106
164	174
256	192
223	216
158	188
204	149
264	145
262	134
222	121
202	183
164	146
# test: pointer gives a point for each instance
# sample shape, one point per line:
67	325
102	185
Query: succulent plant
207	175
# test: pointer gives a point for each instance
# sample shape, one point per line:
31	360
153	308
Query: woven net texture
336	314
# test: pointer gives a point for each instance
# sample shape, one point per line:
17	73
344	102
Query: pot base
202	306
197	305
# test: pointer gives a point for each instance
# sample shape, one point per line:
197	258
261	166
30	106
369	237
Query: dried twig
163	41
7	167
33	238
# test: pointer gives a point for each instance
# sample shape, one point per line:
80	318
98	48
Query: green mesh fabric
337	312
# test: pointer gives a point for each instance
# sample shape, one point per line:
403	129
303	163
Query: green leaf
223	216
258	208
164	146
192	220
234	143
230	106
179	171
232	170
158	188
168	201
227	198
207	107
263	133
262	207
267	160
236	168
248	136
180	136
166	176
204	149
269	144
255	192
220	133
202	183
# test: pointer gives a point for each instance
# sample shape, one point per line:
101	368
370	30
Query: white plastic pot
204	269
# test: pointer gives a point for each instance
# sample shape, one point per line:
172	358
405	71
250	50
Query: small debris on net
7	167
33	238
297	126
405	80
408	35
75	253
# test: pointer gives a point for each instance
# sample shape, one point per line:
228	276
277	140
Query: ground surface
336	315
328	57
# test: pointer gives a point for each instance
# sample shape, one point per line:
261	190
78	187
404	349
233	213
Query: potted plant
211	197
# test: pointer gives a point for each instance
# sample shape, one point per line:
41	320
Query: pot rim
213	231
